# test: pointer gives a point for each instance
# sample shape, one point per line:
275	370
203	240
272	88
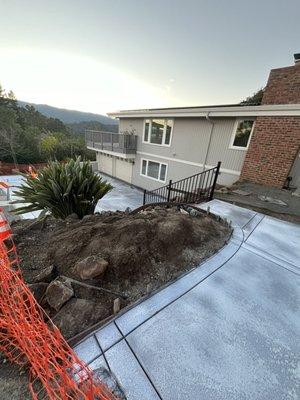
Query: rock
272	200
117	305
184	211
58	293
128	210
193	212
105	376
241	192
296	192
72	217
38	290
91	267
79	314
88	217
45	275
223	190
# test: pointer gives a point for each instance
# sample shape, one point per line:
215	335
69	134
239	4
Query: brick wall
274	145
276	140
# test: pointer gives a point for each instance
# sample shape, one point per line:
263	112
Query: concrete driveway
229	329
122	196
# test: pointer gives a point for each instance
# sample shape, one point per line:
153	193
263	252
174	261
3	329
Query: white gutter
238	111
209	139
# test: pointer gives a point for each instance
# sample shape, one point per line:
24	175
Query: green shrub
62	189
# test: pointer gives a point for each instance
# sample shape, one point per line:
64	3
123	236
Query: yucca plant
62	189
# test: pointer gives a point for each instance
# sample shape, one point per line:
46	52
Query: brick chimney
276	140
283	85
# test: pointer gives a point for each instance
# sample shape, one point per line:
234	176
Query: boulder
38	290
58	293
79	314
91	267
45	275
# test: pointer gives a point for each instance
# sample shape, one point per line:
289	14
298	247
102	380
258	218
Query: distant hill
70	116
80	127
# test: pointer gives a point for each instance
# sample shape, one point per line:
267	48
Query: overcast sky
99	56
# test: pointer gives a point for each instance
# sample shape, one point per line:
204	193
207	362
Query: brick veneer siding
274	145
275	141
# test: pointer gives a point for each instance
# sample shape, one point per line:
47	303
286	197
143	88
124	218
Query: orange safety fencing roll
30	339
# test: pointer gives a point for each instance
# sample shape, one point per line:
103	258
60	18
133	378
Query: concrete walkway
229	329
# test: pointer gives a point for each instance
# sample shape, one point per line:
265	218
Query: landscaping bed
82	271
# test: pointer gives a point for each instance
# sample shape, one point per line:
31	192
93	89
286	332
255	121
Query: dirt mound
143	251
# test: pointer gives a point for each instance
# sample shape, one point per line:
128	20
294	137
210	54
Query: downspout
209	140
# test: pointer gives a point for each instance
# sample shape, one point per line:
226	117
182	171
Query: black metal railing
109	141
194	189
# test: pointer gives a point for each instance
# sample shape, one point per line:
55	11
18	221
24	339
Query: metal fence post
144	198
211	196
169	190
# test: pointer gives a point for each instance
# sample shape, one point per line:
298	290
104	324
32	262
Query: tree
255	99
49	145
27	136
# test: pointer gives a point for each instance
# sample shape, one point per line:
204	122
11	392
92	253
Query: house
255	143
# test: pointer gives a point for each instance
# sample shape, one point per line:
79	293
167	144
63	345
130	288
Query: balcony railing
109	141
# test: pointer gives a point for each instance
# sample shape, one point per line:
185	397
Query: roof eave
239	111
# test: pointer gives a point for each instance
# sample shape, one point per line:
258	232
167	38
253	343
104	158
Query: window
242	134
158	131
154	170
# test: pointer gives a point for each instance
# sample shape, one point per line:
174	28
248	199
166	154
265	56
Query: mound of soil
143	251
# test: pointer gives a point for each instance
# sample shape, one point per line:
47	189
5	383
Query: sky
105	55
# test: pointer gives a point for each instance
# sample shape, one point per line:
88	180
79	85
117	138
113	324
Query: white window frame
164	132
237	122
159	170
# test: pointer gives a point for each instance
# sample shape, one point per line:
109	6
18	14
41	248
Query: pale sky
105	55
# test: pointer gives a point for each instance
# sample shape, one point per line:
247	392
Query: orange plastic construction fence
29	338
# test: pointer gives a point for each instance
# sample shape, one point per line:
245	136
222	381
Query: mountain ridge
69	116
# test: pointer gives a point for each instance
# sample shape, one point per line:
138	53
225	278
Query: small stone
58	293
184	211
72	217
296	192
117	305
148	288
272	200
91	267
45	275
193	212
223	190
89	217
241	192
